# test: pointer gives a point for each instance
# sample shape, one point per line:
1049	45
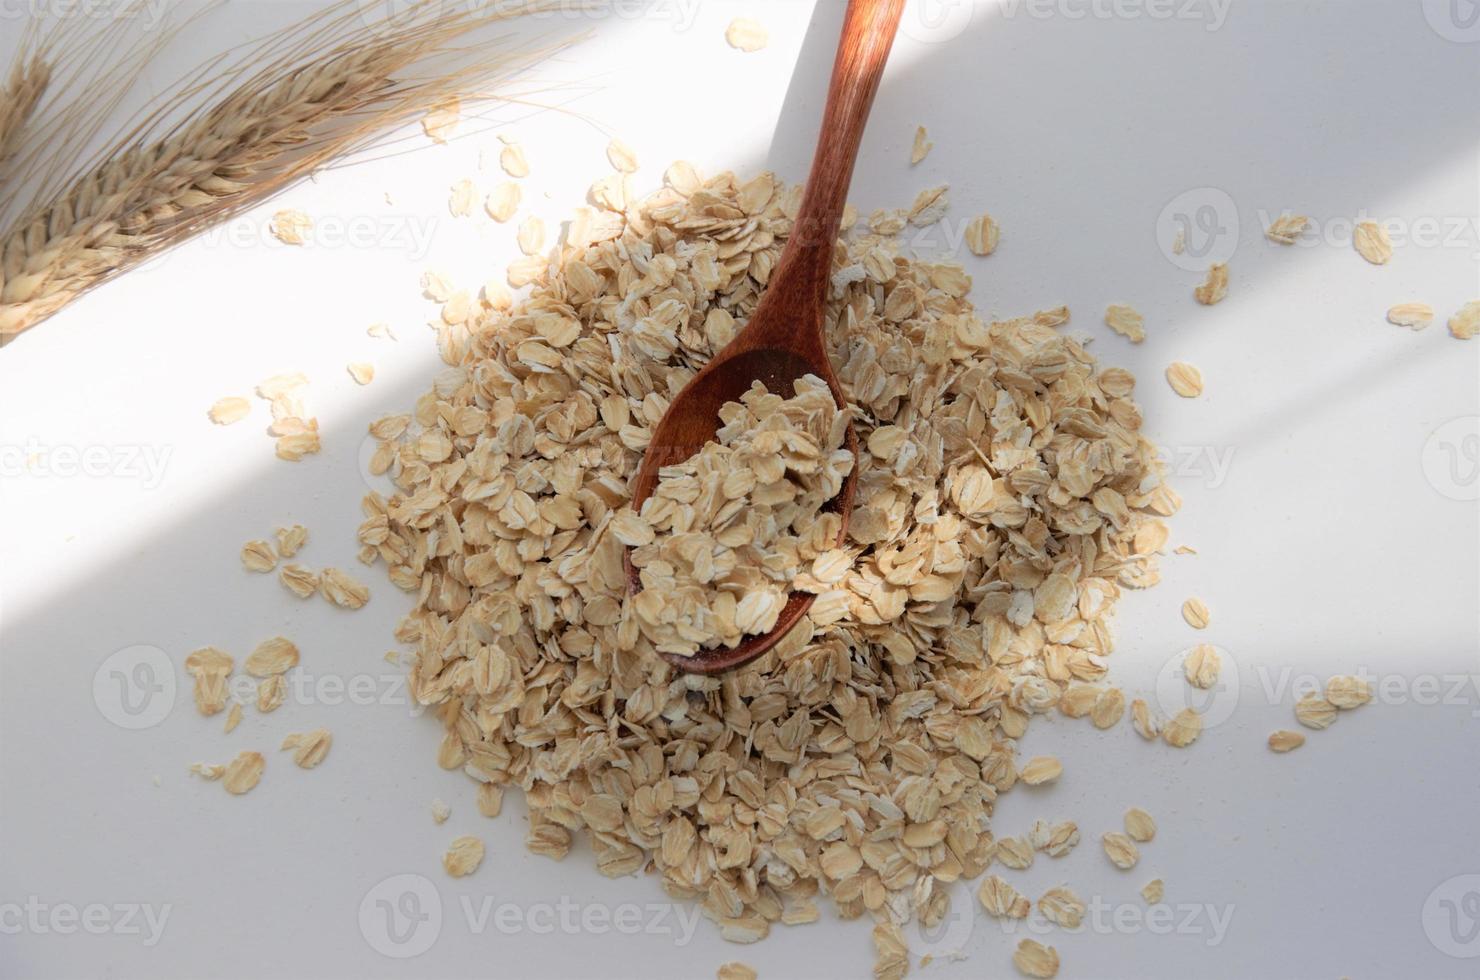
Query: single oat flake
503	201
210	668
342	589
1196	613
1001	900
229	410
1035	959
258	556
1315	712
930	206
291	227
1215	287
301	580
1185	379
290	539
745	34
1184	728
440	811
1372	242
735	971
1466	323
1139	824
982	235
441	122
462	198
1154	891
1202	666
621	157
1286	229
309	748
1062	907
233	717
1126	321
513	160
1041	769
1348	692
275	656
361	372
463	857
1285	741
1146	724
244	772
921	148
1414	316
1120	849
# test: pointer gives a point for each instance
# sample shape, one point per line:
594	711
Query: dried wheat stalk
19	96
331	84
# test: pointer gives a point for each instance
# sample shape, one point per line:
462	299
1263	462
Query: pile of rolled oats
725	533
1005	496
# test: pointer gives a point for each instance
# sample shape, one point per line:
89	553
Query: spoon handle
868	33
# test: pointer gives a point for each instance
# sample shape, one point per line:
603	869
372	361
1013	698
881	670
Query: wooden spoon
784	339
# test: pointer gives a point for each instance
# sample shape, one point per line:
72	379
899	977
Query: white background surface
1323	546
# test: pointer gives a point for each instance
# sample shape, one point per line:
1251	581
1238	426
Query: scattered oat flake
1466	323
1185	379
342	589
1120	849
1195	611
440	811
1202	665
1414	316
271	693
735	971
209	772
233	716
1215	287
1108	709
922	148
745	34
1144	722
1184	728
290	539
1154	891
380	330
1347	692
621	157
1127	322
512	159
258	556
503	201
1139	825
982	235
244	772
301	580
1002	900
1314	711
280	385
441	122
1035	959
463	197
229	410
531	235
291	227
309	748
1372	242
1286	229
1041	769
210	668
362	372
294	447
930	206
1062	907
1285	740
275	656
1183	549
463	857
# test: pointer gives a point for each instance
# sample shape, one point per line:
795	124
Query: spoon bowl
784	339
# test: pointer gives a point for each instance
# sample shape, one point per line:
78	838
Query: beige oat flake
746	34
229	410
1041	769
1285	740
1139	825
1414	316
1287	228
1035	959
1372	242
1314	711
1215	287
342	589
921	148
1196	613
1202	665
1185	379
210	668
1346	691
1184	728
299	579
309	748
1154	891
275	656
1001	900
243	773
1466	322
1126	321
258	556
982	235
291	227
463	856
1120	849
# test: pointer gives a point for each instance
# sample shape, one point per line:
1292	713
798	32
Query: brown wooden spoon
784	339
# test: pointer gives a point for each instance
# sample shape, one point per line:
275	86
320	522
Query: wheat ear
272	128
